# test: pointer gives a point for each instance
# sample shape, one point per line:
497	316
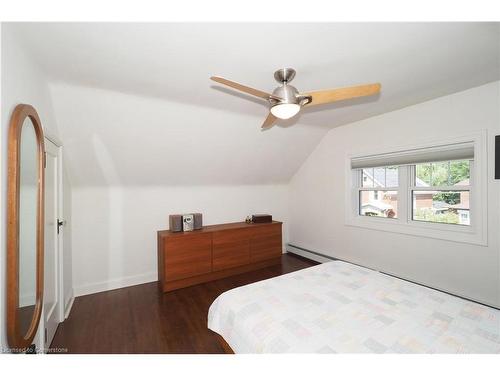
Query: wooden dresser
216	251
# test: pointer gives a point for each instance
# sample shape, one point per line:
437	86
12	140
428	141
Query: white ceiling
414	62
134	104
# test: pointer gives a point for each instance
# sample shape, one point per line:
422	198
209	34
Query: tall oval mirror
28	186
24	227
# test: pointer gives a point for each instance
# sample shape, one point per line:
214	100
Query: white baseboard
68	306
307	254
118	283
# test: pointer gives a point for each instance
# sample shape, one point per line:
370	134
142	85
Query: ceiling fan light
285	110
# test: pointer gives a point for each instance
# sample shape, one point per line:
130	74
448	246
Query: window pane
450	207
423	174
460	172
367	178
439	175
446	173
392	177
382	203
379	177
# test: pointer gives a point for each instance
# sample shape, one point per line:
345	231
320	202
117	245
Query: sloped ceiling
135	105
121	139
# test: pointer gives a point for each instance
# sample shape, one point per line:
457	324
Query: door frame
60	238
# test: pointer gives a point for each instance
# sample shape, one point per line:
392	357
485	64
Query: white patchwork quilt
337	307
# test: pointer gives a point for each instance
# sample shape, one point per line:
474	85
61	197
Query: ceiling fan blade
240	87
269	121
334	95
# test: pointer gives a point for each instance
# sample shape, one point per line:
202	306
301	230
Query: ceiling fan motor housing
288	93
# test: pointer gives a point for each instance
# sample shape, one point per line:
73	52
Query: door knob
60	223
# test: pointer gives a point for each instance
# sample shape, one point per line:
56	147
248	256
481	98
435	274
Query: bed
338	307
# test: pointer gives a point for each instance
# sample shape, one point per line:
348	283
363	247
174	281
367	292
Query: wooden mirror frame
16	339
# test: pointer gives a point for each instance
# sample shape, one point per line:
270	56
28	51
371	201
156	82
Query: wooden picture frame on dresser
215	252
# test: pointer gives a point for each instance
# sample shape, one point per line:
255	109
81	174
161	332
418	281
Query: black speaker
497	157
198	221
175	222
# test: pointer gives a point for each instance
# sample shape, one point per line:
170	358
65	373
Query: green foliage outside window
427	215
450	198
444	174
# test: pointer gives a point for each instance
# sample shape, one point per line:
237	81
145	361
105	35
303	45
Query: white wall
114	228
317	198
22	82
134	160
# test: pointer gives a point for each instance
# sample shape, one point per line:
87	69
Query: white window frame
358	184
475	233
470	188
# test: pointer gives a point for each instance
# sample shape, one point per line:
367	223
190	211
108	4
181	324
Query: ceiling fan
286	101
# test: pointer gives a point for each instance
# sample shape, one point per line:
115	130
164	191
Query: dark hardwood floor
141	319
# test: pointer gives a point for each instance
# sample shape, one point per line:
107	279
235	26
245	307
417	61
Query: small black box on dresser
262	218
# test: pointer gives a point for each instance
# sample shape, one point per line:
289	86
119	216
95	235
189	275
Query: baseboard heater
318	257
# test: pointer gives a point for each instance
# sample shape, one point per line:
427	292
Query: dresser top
217	227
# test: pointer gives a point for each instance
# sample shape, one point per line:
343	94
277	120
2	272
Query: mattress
338	307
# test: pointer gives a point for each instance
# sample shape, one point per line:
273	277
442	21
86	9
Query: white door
51	298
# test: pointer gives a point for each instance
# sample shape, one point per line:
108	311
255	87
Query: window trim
475	233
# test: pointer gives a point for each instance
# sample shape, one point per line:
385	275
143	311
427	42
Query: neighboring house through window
378	194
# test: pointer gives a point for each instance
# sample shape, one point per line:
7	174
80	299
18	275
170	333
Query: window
435	191
441	191
378	194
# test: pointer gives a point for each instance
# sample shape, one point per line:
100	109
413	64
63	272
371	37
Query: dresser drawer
229	235
265	247
231	254
266	230
231	248
188	256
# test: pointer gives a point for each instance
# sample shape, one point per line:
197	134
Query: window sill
445	232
